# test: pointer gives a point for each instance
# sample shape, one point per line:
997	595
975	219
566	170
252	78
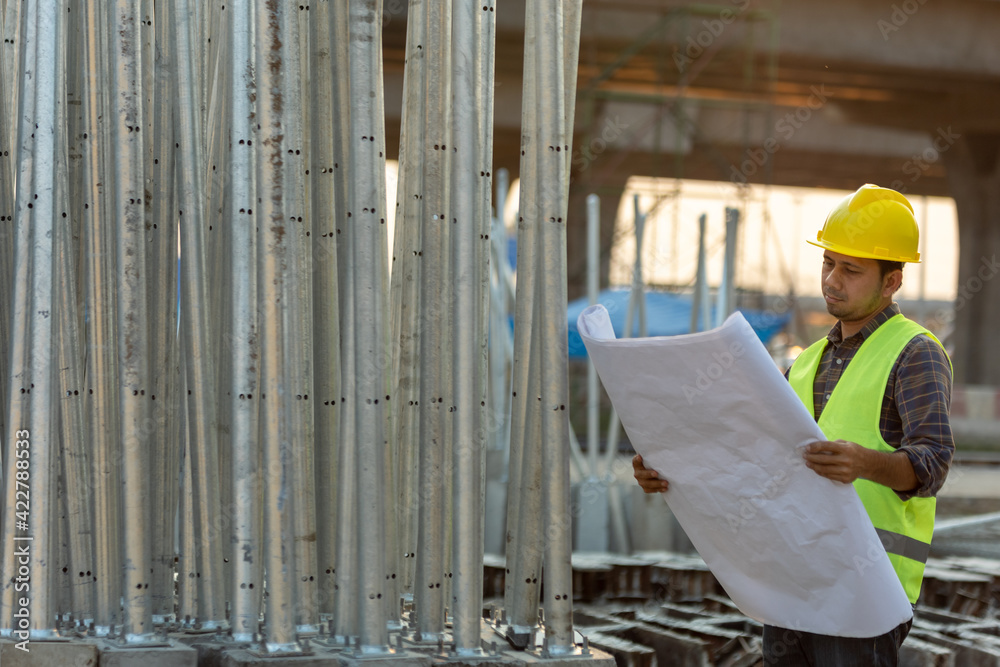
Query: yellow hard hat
873	222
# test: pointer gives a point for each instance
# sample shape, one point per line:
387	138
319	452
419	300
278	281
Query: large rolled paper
713	415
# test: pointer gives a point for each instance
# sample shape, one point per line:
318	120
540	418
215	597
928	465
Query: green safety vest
852	413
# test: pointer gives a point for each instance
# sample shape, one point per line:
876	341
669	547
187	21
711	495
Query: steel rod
275	294
165	455
298	328
195	309
326	313
368	213
102	344
553	138
345	584
593	269
246	551
466	204
524	507
430	565
406	297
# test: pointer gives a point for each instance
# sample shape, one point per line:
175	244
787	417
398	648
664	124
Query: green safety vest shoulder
852	413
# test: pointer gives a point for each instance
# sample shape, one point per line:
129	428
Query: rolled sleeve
923	398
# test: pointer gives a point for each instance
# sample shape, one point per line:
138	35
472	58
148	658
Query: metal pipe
195	309
345	584
523	492
165	454
593	270
326	313
500	343
466	174
17	408
367	248
275	257
698	302
298	329
102	353
33	534
430	566
551	292
727	290
72	396
133	377
187	556
245	553
406	298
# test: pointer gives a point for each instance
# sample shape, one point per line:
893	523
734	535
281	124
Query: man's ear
892	282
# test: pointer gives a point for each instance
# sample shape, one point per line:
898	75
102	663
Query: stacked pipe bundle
213	388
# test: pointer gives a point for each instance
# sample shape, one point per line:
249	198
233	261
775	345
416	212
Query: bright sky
774	225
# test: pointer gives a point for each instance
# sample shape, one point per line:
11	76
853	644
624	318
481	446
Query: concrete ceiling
805	93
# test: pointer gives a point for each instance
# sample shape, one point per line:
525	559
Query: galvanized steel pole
430	566
524	498
133	377
275	298
593	269
199	356
550	216
102	353
368	213
466	210
246	551
326	313
345	620
406	296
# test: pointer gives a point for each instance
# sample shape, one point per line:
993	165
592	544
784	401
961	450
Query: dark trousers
792	648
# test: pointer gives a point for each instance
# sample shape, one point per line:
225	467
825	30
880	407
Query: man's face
852	286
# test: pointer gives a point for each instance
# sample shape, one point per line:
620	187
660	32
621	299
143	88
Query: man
879	385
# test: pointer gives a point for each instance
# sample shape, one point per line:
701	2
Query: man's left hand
840	460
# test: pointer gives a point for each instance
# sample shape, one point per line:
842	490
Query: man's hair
885	267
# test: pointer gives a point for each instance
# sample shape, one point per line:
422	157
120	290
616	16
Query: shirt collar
836	337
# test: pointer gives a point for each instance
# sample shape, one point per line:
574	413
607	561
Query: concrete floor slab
172	655
48	654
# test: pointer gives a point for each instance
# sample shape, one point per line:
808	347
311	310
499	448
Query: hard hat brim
851	252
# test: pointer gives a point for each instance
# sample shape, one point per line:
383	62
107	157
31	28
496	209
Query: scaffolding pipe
345	582
326	313
727	290
551	293
133	376
406	297
102	353
699	303
162	246
275	258
593	289
199	360
500	342
367	249
430	564
297	340
521	594
467	444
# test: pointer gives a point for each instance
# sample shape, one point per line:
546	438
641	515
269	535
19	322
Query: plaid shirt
915	408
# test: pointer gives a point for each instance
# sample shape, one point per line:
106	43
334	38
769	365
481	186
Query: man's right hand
647	478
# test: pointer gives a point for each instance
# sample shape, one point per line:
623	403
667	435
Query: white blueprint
714	416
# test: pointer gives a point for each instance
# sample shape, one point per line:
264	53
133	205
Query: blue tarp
667	314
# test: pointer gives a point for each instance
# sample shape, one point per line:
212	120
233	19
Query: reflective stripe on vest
852	413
